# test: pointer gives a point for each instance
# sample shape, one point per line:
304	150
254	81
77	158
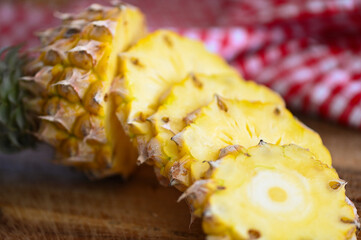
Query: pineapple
275	192
72	81
233	122
99	93
149	70
186	97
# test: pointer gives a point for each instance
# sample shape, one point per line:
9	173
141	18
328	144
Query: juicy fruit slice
75	71
277	192
189	95
150	68
232	122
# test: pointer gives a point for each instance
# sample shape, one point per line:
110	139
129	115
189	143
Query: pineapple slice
233	122
277	192
74	73
149	69
186	97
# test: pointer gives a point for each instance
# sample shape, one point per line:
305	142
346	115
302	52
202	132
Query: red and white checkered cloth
307	50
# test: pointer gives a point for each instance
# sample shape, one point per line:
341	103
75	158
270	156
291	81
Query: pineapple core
277	194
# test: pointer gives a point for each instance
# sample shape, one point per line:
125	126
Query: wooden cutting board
40	200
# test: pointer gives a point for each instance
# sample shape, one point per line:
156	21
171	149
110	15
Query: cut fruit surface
150	68
277	192
75	71
232	122
186	97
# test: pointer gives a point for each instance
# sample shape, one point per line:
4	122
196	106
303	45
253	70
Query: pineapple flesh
149	70
74	75
276	192
186	97
227	122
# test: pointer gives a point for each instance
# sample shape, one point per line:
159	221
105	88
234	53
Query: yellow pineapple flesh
276	192
149	69
226	122
76	67
186	97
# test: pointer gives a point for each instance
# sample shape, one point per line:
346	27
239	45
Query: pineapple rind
312	209
78	64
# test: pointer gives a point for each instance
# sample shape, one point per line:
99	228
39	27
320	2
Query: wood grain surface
40	200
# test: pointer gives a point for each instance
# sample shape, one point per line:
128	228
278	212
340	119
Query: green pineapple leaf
16	122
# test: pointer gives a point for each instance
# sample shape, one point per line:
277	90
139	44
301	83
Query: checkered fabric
307	50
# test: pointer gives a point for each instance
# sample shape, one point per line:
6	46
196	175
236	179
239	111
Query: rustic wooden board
40	200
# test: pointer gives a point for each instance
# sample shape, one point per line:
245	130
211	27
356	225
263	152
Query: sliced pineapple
232	122
186	97
277	192
149	69
75	71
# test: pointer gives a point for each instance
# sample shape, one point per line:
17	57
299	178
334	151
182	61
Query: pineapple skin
274	192
73	80
227	122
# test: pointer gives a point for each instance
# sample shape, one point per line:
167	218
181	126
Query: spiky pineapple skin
74	74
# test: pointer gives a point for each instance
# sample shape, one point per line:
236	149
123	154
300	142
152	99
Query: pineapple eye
71	31
347	220
167	41
254	234
277	194
336	184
